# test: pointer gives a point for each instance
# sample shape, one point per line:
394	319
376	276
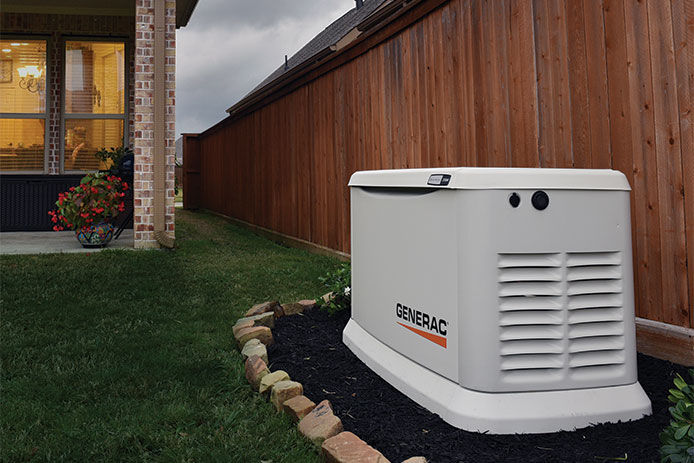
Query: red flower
97	196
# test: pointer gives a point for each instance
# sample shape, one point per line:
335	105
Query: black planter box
26	199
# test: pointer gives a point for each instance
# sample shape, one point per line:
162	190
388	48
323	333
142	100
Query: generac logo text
434	329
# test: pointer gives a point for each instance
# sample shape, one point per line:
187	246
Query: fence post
191	171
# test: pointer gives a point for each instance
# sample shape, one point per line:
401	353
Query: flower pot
95	236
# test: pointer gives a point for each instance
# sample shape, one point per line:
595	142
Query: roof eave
184	10
381	13
277	83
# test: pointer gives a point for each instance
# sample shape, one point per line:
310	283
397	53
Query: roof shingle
328	37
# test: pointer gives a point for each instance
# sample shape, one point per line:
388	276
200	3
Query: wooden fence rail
549	83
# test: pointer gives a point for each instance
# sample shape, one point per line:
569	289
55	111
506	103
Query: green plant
678	438
97	198
177	184
338	285
113	154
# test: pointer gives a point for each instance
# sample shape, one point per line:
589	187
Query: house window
94	113
22	105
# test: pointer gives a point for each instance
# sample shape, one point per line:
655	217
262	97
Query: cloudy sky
229	46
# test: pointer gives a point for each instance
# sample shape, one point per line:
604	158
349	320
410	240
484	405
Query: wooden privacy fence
598	84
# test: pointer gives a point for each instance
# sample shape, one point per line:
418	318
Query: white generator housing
500	299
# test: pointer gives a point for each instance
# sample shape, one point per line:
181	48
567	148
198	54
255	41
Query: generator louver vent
560	317
595	314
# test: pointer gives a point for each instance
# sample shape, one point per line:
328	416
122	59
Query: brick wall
144	121
56	28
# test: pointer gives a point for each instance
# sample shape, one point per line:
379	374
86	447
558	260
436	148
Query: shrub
177	181
96	199
678	438
338	283
114	155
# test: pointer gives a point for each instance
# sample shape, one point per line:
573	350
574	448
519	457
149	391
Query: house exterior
77	76
444	83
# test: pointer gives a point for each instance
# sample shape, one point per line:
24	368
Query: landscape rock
262	308
241	324
261	333
269	380
320	424
283	391
254	347
292	308
263	319
308	303
327	297
278	311
415	460
298	407
256	370
348	448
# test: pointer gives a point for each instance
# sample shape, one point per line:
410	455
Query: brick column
144	121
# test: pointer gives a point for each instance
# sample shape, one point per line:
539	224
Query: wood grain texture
665	341
683	37
620	131
644	156
549	83
598	99
578	80
669	187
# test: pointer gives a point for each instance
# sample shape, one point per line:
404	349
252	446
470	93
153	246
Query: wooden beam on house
665	341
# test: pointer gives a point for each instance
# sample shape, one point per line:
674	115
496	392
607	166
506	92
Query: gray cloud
229	46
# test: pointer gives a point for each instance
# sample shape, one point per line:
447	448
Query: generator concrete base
497	413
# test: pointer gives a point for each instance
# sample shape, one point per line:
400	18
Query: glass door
95	102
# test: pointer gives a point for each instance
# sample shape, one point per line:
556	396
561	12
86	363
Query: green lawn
128	356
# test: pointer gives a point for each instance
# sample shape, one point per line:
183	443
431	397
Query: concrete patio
55	242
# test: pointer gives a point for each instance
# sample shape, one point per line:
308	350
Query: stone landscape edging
317	423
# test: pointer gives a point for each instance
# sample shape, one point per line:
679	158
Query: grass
128	356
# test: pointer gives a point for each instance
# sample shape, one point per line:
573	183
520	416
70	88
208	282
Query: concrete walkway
55	242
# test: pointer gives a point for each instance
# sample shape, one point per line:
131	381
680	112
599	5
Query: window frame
48	100
64	115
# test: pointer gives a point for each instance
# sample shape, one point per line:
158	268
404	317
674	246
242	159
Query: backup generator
499	298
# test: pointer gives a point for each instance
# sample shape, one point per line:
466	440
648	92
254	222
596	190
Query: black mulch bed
309	347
